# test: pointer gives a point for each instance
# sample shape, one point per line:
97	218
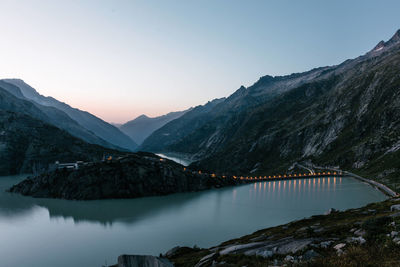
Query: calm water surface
46	232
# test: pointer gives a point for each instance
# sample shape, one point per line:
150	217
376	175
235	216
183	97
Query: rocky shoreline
383	188
133	176
350	238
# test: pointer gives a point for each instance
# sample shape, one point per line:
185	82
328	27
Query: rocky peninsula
132	176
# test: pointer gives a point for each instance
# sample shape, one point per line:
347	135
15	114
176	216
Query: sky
120	59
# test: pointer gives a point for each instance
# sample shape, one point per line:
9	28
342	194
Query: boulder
237	248
319	230
302	229
309	255
172	252
339	246
143	261
264	253
394	233
326	244
395	207
289	258
205	261
360	240
294	246
359	232
331	210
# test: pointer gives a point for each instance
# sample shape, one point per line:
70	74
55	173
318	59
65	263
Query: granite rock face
136	175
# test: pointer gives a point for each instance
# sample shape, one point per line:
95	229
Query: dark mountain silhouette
91	123
345	115
141	127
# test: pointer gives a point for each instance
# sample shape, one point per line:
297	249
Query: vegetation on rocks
29	145
367	236
132	176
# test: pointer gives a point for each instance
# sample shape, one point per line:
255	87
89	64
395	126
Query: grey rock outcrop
269	248
395	207
142	261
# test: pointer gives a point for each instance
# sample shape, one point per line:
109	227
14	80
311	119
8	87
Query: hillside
177	129
141	127
345	115
91	123
136	175
29	145
11	99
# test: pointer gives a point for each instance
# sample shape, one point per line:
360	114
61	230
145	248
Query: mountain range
345	115
29	145
141	127
79	123
34	132
178	128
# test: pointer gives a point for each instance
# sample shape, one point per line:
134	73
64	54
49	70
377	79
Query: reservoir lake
52	232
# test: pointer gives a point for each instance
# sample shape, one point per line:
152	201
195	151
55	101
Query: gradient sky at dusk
119	59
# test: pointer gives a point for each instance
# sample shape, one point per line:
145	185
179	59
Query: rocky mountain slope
86	120
141	127
136	175
29	145
345	115
11	102
177	129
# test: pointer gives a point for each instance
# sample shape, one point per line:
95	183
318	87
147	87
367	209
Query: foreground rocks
142	261
351	238
137	175
367	236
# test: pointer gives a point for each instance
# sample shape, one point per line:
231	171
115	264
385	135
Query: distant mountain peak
143	116
141	127
395	38
379	46
382	44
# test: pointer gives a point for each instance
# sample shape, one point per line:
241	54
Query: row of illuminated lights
283	176
275	176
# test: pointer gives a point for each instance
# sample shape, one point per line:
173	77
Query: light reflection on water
48	232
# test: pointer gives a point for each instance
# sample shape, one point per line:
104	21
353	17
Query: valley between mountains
343	118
